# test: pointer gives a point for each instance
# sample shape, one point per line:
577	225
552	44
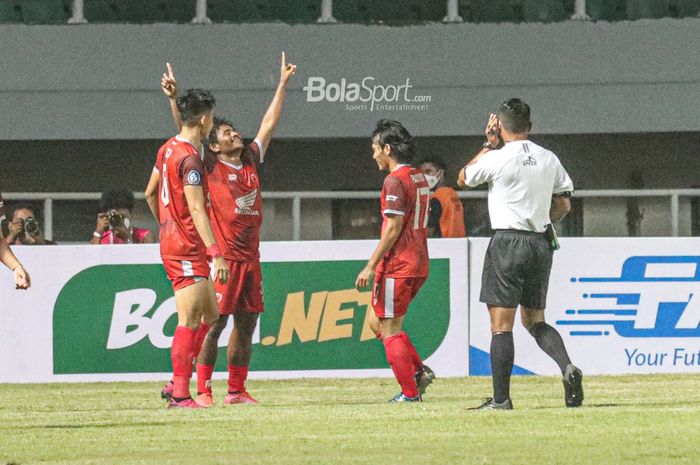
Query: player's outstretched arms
22	278
274	111
168	84
195	202
390	234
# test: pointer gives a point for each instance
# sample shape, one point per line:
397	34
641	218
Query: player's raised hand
22	278
168	82
221	270
287	70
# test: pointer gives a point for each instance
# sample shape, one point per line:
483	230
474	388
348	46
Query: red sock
399	358
199	337
204	373
417	362
236	378
181	357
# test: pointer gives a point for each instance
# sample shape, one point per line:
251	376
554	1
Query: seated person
446	211
24	229
114	220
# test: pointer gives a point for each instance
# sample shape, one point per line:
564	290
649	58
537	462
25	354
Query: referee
528	191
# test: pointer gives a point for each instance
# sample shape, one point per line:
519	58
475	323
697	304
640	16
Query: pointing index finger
171	74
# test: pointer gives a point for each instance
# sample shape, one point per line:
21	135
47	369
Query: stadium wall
622	306
101	81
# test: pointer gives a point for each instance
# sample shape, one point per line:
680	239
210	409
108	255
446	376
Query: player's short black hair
514	115
218	122
434	160
117	198
392	133
193	104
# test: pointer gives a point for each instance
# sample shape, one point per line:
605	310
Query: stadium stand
348	11
365	11
545	11
607	10
34	11
240	10
100	11
10	12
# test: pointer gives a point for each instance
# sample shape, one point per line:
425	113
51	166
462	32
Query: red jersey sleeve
191	171
254	152
394	196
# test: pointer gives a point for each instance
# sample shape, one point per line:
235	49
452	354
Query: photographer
21	277
24	228
114	221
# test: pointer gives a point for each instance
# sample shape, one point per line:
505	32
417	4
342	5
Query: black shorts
516	270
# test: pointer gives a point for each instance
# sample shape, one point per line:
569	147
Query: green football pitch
625	420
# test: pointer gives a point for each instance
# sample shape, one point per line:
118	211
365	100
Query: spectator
114	220
446	212
7	258
24	228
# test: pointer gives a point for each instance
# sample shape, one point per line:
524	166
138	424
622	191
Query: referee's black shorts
516	270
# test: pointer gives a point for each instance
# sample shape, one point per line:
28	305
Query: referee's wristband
97	235
214	251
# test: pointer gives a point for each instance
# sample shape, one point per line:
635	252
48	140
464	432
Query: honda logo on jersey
244	204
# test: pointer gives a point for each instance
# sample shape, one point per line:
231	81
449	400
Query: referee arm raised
529	190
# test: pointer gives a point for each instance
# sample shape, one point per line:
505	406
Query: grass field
625	420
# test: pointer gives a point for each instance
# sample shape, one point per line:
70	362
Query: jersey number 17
422	198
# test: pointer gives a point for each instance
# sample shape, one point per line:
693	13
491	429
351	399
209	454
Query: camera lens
31	226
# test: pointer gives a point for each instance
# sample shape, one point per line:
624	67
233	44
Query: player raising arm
236	218
175	194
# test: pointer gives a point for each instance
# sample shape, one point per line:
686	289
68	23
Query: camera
31	226
115	219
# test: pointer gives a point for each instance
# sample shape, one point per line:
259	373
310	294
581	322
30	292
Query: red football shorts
243	291
391	296
183	273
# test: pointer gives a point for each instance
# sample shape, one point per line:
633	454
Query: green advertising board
120	319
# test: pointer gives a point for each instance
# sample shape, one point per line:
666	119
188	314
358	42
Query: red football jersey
406	193
236	205
180	165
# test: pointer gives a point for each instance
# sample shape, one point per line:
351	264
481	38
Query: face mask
433	180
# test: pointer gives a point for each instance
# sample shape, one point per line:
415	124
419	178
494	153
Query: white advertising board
622	306
103	313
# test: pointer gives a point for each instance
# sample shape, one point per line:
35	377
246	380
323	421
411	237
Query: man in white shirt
528	191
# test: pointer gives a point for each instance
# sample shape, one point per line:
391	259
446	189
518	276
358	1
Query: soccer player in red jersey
400	261
236	217
175	194
20	275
